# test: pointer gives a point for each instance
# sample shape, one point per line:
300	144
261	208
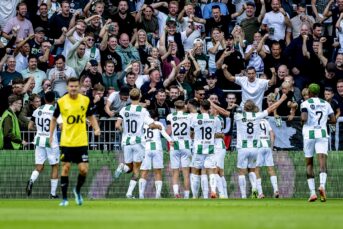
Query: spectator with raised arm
126	51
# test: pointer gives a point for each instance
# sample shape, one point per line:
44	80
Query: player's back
205	127
248	129
318	111
42	118
181	129
264	136
152	138
134	117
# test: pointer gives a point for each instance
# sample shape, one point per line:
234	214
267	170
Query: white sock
311	185
204	185
158	186
34	176
186	194
322	179
53	183
242	186
126	168
142	184
132	186
176	189
195	181
219	185
224	183
273	180
213	183
252	178
259	186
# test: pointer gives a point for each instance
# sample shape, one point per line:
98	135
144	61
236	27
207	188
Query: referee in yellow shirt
74	108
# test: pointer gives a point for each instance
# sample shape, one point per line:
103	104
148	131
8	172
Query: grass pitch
161	214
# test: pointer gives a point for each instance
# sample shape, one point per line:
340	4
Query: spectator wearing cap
60	74
23	26
276	21
40	36
126	50
199	29
252	88
217	20
251	24
117	100
92	70
232	59
33	71
212	88
110	77
171	37
299	19
160	106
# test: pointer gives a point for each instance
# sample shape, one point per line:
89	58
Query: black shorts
74	154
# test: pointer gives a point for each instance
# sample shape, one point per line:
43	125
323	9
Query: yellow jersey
74	113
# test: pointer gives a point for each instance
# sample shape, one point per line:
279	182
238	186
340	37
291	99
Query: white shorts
264	157
43	153
247	158
180	158
152	160
133	153
220	157
204	161
312	146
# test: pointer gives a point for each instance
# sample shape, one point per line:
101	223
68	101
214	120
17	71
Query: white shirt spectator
254	91
141	79
276	22
25	28
198	29
93	55
212	57
21	62
68	44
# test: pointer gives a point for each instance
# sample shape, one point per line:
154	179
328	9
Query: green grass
161	214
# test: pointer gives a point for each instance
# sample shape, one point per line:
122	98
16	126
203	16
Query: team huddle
196	146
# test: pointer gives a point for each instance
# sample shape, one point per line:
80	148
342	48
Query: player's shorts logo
200	122
126	114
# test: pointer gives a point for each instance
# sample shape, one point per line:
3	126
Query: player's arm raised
276	104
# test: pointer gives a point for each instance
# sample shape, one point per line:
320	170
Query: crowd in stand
171	50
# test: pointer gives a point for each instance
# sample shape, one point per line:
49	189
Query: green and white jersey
318	111
265	129
180	123
134	117
205	126
248	128
42	117
153	137
219	142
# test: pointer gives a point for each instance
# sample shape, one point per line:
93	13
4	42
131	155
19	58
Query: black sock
64	186
80	181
